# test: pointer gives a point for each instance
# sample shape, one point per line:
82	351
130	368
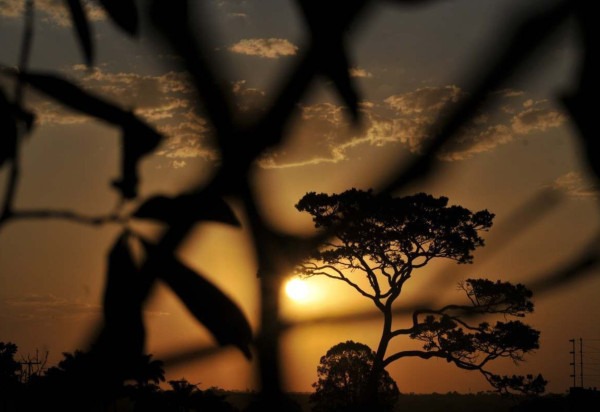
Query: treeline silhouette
79	383
128	284
76	383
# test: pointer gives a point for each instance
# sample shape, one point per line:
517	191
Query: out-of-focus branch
69	216
15	164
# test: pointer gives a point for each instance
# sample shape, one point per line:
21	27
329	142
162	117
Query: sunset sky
410	64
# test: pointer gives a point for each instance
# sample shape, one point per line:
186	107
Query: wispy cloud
576	185
408	119
49	307
323	132
248	99
46	307
271	48
164	101
359	72
52	11
424	101
536	117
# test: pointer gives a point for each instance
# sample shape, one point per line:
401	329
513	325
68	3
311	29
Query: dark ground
450	402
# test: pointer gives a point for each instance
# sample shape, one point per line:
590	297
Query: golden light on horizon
297	290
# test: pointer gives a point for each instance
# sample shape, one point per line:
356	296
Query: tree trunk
369	402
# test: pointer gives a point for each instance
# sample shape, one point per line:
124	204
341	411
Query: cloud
427	100
418	111
165	101
574	184
50	113
47	307
358	72
52	11
319	130
475	140
509	93
189	137
272	48
322	132
154	98
248	99
136	90
536	119
238	16
325	134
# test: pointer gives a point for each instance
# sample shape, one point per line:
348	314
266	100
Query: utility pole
581	360
574	375
31	366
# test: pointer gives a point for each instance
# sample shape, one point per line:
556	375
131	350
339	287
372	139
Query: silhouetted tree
146	374
9	376
342	380
80	381
185	396
378	242
281	403
83	380
148	371
9	367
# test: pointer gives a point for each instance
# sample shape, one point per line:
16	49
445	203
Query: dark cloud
248	99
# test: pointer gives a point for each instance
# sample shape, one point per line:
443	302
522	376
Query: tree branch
413	353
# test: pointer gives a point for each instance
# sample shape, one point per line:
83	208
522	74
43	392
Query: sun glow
297	290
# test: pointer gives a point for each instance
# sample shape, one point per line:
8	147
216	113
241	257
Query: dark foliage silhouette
9	366
240	145
79	383
342	380
9	376
182	396
380	242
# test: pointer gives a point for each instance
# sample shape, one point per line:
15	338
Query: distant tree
185	396
342	380
91	378
283	402
9	366
378	242
10	385
148	371
142	385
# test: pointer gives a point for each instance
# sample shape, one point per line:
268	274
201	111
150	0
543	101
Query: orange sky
410	63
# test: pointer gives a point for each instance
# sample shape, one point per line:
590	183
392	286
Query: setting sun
297	290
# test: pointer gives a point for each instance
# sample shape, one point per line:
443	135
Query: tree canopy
342	379
388	237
